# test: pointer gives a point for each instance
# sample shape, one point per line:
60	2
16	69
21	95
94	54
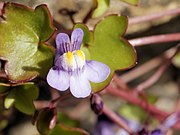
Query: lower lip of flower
72	61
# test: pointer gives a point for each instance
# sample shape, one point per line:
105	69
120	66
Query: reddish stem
128	96
52	103
146	67
153	79
1	8
119	82
153	16
155	39
41	104
3	74
54	94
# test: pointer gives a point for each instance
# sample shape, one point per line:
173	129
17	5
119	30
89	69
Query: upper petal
96	71
62	43
76	38
79	86
58	79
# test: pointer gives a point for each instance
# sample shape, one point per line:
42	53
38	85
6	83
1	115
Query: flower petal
58	79
96	71
171	120
62	43
76	38
79	86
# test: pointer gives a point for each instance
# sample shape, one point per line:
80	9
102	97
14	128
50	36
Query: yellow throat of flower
70	57
80	54
73	60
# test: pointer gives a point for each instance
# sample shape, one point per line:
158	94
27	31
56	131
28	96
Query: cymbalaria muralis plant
71	67
44	72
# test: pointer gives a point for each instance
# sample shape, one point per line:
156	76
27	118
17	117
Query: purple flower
167	123
157	132
71	67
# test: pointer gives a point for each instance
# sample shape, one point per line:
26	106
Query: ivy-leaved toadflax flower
71	69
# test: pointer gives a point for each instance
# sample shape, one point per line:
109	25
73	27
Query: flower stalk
164	38
154	16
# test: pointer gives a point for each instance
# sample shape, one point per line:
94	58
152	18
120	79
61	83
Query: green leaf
62	118
22	96
45	117
101	7
8	102
22	42
4	87
111	48
133	2
3	124
176	60
63	130
108	46
133	112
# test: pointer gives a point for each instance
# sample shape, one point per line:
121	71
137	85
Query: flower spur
71	67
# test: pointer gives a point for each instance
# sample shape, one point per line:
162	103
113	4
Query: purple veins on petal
79	85
76	38
96	71
58	79
62	43
72	70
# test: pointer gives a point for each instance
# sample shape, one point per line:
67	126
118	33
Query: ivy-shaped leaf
101	7
66	120
133	2
110	47
22	42
22	96
63	130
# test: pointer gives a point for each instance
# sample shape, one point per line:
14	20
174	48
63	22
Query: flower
71	67
170	121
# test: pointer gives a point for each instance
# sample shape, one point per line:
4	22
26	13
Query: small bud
96	104
157	132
